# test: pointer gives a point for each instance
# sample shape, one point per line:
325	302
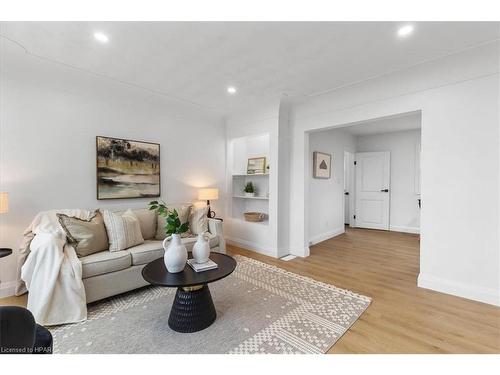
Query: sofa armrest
215	227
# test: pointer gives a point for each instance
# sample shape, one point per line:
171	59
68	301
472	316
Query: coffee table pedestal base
192	310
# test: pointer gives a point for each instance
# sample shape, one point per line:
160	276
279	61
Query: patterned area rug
260	309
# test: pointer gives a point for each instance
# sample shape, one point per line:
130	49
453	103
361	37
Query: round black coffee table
193	308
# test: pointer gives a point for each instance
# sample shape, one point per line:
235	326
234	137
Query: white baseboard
301	252
327	235
264	250
398	228
7	289
476	293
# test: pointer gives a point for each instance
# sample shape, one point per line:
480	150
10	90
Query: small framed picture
256	165
322	165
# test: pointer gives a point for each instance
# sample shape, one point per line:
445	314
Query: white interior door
373	177
349	193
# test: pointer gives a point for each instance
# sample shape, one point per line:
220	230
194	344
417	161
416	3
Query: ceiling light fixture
103	38
231	90
406	30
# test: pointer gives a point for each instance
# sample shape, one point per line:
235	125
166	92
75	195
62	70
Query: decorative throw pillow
86	236
147	221
123	230
198	220
182	209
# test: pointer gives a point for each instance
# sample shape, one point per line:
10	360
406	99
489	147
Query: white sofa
106	273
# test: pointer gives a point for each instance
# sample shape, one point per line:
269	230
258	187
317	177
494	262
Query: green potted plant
249	189
175	257
173	224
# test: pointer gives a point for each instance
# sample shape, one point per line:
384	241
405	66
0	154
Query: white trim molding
327	235
7	289
301	252
264	250
397	228
476	293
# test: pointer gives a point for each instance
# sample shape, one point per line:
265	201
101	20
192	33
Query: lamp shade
208	194
4	202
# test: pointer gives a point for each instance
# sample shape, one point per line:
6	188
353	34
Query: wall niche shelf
255	197
252	175
240	150
242	221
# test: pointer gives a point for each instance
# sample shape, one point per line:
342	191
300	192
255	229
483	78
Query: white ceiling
197	61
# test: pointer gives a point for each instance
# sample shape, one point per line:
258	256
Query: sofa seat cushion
146	252
105	262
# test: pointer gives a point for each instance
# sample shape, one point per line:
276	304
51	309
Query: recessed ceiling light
406	30
103	38
231	90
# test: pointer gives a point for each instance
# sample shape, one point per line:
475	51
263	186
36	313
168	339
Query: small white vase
249	194
201	249
176	255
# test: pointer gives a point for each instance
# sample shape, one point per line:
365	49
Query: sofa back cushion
86	236
123	230
183	209
147	222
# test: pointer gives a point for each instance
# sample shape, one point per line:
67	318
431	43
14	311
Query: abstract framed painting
127	169
322	165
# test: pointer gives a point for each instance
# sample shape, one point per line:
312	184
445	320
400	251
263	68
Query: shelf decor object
322	165
208	194
256	165
254	216
249	190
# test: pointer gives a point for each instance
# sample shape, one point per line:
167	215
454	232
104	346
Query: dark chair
19	333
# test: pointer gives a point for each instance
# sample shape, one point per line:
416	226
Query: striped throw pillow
123	230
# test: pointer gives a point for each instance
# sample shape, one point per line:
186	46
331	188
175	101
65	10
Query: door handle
346	193
384	190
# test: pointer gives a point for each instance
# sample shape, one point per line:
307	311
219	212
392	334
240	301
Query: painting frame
318	159
99	195
261	159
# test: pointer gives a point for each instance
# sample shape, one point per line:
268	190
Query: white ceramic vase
249	194
201	249
176	255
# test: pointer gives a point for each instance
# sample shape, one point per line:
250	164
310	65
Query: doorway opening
375	177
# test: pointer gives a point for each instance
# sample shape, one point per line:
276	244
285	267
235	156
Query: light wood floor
402	318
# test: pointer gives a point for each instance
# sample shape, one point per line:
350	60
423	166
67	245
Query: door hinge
355	163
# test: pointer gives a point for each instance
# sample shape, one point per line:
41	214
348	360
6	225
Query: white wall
404	212
458	96
50	116
326	196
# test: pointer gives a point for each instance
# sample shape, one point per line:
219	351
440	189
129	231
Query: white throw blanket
52	271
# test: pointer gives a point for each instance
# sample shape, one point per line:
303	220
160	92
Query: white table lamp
208	194
4	202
